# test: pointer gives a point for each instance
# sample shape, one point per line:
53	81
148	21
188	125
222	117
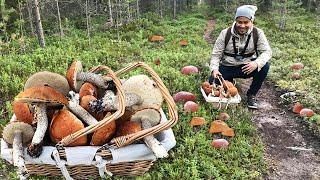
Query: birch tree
40	33
59	18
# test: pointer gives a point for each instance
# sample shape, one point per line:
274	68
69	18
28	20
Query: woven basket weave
125	168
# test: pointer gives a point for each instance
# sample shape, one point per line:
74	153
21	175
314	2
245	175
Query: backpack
254	36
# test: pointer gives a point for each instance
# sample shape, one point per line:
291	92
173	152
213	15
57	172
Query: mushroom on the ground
17	134
149	118
63	124
40	97
45	78
76	77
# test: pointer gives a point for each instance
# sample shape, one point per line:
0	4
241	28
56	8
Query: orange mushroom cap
63	124
88	89
42	94
128	127
104	134
22	112
72	71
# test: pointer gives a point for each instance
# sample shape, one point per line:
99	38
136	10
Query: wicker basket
221	103
85	162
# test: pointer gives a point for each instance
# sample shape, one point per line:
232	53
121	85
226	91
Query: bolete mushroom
40	97
147	89
101	135
128	127
63	124
149	118
88	89
51	79
76	77
17	134
85	103
23	112
109	102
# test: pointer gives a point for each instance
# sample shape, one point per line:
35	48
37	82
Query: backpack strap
255	39
227	37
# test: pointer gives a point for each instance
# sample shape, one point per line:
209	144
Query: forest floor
292	151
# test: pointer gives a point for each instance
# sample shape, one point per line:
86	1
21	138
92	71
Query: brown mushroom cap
22	112
233	91
42	94
10	129
85	100
88	89
153	116
51	79
125	117
227	84
72	71
128	127
63	124
104	134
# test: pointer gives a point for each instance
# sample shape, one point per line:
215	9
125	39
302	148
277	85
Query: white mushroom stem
17	155
92	78
110	101
81	113
157	148
40	114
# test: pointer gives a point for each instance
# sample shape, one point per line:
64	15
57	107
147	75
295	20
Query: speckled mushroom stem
40	114
109	102
17	155
82	113
151	141
95	79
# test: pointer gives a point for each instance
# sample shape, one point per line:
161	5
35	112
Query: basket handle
107	119
172	108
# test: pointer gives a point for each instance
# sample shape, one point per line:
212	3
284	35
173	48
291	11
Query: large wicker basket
119	157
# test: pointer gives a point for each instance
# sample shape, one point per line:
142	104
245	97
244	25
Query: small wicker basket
221	103
119	157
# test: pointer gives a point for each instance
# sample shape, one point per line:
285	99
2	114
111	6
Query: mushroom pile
53	106
225	88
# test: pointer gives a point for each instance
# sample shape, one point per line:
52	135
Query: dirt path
291	150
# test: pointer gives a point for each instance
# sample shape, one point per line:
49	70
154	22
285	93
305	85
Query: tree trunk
160	9
40	33
88	23
59	18
174	9
283	13
110	12
138	10
29	9
21	18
